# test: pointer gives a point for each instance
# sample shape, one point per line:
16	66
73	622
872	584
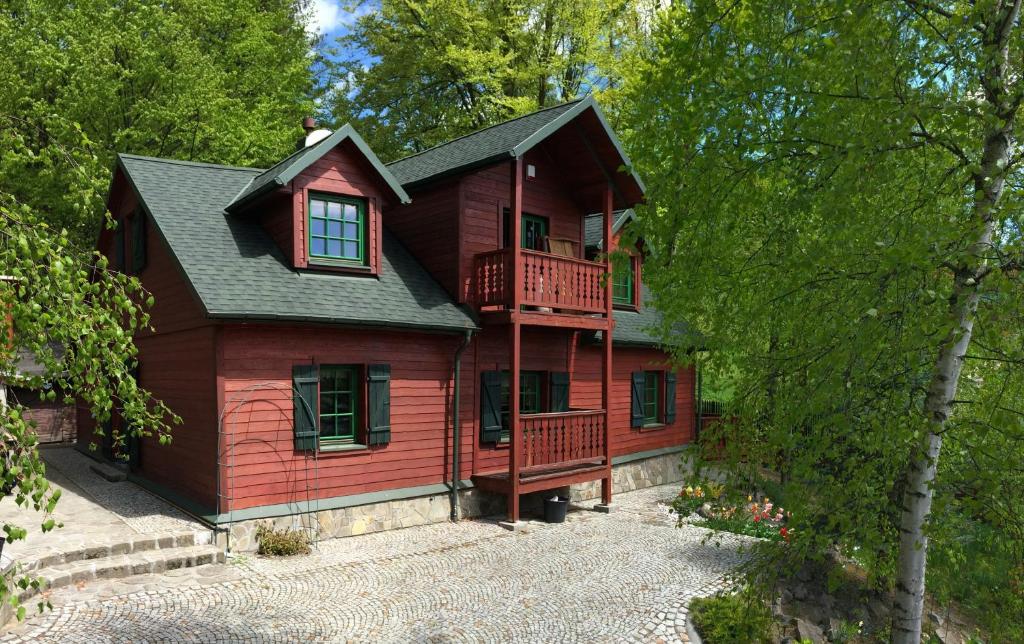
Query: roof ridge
484	129
141	157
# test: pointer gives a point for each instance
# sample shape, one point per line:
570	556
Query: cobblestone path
624	576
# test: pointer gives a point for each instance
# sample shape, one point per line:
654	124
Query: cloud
327	16
323	17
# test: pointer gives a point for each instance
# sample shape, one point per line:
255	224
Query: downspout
699	386
456	442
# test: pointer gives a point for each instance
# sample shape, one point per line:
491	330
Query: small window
530	397
337	229
652	397
339	403
623	276
534	231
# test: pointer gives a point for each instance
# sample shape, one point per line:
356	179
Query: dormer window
337	229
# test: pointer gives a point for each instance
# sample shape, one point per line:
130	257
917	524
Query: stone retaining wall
424	510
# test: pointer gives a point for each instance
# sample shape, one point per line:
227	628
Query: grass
730	619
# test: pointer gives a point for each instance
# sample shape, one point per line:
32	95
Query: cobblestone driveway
618	577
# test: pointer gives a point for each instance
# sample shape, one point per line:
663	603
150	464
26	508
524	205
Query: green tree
223	81
51	297
833	202
439	69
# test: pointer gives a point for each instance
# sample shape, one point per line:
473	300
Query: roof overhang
309	156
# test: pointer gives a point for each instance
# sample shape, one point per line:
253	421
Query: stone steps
111	547
126	565
119	558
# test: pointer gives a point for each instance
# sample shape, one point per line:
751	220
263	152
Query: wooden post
606	367
515	431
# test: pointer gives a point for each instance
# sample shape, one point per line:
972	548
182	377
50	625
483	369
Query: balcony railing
562	438
563	284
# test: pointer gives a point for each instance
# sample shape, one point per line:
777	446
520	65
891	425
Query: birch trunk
963	303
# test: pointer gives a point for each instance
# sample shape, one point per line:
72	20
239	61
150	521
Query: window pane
316	226
316	208
351	249
319	247
344	402
351	230
334	248
333	210
334	228
351	212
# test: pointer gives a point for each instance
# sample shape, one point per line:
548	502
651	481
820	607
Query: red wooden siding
342	171
485	193
585	391
266	469
429	228
176	366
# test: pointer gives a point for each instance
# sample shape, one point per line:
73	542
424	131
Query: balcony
557	449
550	283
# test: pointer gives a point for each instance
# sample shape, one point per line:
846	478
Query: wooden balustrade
562	438
551	281
492	273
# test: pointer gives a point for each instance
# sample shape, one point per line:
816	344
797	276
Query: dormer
323	203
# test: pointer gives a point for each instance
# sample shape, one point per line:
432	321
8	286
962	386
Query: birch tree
833	202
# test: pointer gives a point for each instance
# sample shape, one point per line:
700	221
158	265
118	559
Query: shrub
731	619
281	543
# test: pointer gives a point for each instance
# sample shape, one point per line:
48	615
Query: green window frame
530	397
337	229
535	229
340	403
652	397
623	277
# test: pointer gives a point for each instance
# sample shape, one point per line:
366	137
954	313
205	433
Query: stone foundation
425	510
363	519
636	475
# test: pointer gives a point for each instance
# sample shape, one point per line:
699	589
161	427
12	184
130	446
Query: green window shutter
490	406
637	407
378	378
139	242
305	387
119	246
559	395
670	397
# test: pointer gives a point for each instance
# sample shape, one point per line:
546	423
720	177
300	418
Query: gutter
455	424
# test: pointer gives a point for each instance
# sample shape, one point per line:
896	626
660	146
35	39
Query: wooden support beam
515	429
606	366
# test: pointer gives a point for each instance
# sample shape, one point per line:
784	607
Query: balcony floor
543	318
543	478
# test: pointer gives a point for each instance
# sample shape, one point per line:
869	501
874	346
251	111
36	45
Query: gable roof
288	168
506	140
593	226
237	271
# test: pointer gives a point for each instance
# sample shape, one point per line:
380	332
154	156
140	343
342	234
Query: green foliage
442	68
731	619
56	299
224	81
827	207
740	523
281	543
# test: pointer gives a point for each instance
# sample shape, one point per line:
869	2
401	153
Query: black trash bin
555	509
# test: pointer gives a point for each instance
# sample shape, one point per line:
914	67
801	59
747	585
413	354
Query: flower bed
722	511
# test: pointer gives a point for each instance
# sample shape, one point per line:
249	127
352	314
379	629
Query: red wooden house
343	338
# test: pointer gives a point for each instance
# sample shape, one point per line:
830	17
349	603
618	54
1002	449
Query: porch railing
562	438
551	281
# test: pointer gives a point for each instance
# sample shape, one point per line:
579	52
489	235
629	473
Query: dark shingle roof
639	328
483	146
237	271
288	168
593	226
